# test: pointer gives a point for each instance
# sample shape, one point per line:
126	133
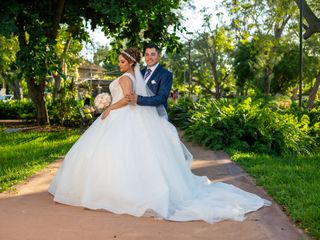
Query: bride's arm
126	86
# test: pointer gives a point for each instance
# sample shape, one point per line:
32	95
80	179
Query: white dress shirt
152	70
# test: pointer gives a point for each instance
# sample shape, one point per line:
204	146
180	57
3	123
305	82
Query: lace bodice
116	90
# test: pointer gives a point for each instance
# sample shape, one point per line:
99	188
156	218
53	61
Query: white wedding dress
133	163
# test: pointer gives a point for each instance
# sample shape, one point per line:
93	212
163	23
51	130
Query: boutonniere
153	82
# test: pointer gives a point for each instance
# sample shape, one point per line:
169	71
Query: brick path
30	213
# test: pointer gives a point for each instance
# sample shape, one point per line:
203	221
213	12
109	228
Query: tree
313	27
215	48
312	20
8	70
254	62
262	22
286	71
36	23
311	67
264	19
244	59
100	55
67	50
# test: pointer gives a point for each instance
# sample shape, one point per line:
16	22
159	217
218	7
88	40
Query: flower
102	101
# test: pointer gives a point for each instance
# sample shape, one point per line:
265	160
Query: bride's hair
132	55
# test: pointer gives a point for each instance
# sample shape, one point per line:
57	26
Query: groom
158	79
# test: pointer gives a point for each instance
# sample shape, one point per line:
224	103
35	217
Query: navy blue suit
159	83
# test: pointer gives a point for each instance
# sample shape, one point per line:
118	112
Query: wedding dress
133	162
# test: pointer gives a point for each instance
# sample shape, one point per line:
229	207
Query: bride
131	161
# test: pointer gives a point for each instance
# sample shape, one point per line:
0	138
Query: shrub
247	126
17	109
65	113
61	111
180	113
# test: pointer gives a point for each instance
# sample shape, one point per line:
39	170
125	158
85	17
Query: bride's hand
105	113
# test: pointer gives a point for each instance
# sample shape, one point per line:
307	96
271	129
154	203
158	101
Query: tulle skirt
133	162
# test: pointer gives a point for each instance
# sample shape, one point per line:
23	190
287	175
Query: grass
25	153
293	182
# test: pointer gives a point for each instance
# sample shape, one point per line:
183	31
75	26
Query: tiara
129	56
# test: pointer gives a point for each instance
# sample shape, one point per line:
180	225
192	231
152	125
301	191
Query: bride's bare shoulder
125	79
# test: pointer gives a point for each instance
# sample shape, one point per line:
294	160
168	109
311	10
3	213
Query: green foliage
64	109
137	22
64	112
293	182
244	58
313	116
254	61
25	153
212	57
17	109
36	26
180	114
8	49
286	71
247	126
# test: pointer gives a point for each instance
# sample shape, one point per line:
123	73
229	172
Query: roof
91	66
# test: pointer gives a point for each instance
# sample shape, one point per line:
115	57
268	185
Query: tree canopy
37	24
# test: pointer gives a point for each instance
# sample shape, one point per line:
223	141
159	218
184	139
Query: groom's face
151	56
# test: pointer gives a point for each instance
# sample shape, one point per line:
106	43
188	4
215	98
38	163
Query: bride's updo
132	55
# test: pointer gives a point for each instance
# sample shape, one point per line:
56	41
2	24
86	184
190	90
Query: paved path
30	213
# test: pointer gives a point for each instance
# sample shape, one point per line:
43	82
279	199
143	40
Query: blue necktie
148	72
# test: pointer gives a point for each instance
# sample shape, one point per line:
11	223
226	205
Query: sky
192	24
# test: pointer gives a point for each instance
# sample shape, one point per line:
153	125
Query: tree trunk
278	29
294	94
313	92
6	89
217	88
15	85
59	6
57	84
268	79
215	75
57	77
36	91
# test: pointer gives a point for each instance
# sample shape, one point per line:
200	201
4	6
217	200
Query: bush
62	111
65	113
17	109
180	113
247	126
313	115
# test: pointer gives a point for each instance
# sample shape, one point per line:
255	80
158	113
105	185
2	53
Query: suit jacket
159	83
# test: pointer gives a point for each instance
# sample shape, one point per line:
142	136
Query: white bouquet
102	101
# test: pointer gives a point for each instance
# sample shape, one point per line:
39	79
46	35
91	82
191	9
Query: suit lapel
154	77
155	72
143	71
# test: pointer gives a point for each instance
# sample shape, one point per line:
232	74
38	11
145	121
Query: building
91	78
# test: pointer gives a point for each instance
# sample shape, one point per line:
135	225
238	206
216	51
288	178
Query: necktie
148	72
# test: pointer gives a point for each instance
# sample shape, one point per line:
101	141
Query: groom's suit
159	83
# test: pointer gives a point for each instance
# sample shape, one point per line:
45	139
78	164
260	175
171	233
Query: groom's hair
151	45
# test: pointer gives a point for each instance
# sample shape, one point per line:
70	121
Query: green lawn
25	153
293	182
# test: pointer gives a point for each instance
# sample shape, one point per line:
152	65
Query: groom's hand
131	98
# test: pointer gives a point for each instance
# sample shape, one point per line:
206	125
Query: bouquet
102	101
